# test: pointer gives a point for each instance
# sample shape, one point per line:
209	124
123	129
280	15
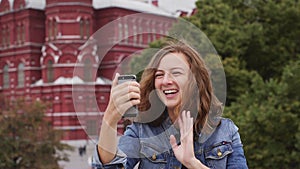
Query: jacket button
219	153
154	157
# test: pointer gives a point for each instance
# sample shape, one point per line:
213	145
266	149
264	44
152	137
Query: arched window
5	77
87	70
18	34
50	28
120	31
8	36
140	30
3	37
154	31
81	28
134	34
23	34
55	29
21	75
21	6
50	75
87	27
126	32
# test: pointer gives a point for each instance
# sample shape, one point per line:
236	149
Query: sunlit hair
200	104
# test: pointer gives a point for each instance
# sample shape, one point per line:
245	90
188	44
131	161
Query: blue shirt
150	147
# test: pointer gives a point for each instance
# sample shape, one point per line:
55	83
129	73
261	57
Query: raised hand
122	97
185	151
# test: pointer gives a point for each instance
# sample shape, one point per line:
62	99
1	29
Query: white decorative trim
64	114
69	127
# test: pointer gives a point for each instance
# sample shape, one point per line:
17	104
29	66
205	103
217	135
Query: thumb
115	81
173	142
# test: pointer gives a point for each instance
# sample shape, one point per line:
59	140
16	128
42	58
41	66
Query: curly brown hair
202	103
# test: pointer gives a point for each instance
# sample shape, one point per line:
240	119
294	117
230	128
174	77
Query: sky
173	5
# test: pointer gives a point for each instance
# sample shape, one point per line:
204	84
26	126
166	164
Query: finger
173	142
133	87
186	125
190	124
184	121
188	114
180	123
115	81
122	108
120	99
191	128
128	87
135	102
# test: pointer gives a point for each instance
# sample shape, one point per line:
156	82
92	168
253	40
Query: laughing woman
177	107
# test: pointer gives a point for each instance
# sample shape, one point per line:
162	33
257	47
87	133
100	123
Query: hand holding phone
132	111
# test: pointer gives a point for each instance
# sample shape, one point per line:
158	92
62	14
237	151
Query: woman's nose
167	79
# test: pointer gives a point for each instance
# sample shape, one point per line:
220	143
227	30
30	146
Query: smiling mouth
171	91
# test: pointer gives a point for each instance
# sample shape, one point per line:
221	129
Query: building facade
41	45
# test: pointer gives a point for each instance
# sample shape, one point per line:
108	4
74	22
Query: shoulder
223	132
227	124
137	129
226	128
132	129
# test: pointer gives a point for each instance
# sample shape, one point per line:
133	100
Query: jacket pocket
216	155
152	157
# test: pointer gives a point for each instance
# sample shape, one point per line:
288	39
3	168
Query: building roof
34	4
73	81
175	6
168	8
131	5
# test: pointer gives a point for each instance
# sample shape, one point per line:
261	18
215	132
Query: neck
172	115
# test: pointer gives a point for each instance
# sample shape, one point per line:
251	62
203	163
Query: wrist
111	116
196	164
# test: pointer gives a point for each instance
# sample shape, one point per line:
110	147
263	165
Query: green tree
238	78
27	139
264	34
139	62
268	115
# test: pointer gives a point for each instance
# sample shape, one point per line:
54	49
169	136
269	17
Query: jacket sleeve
127	153
237	159
118	162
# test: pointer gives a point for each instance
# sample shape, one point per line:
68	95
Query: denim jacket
149	146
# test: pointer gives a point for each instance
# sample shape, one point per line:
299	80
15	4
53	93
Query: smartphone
132	111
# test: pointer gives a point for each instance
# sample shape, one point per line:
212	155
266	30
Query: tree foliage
140	61
259	43
269	116
264	34
238	78
27	139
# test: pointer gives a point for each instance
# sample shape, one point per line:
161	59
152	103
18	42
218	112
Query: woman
177	107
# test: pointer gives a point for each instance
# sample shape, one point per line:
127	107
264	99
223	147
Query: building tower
22	37
68	25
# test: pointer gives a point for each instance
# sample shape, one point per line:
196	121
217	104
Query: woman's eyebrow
181	68
159	70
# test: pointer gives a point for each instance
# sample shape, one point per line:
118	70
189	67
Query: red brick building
41	43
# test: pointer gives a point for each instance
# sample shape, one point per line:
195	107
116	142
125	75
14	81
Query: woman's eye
176	73
159	75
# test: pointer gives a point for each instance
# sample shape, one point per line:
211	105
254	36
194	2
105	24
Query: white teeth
170	91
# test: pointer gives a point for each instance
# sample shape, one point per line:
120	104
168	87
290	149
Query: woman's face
171	77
